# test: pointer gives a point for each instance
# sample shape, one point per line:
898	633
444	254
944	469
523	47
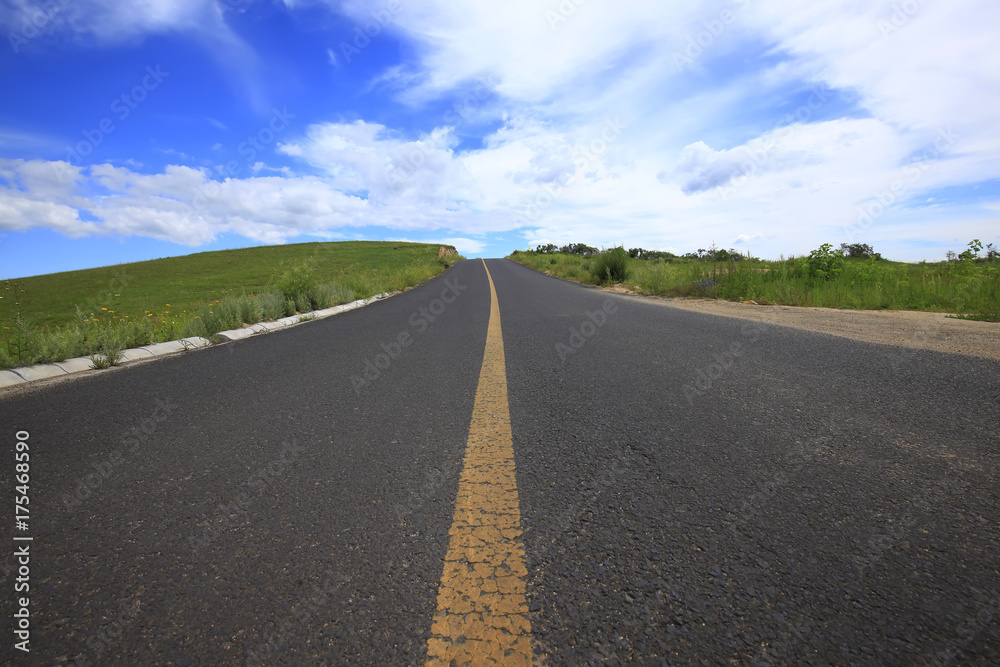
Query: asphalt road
692	489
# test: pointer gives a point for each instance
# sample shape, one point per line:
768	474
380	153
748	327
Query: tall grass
966	287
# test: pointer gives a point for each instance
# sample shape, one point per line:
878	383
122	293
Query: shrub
302	303
611	266
6	361
328	295
251	310
297	281
272	305
823	262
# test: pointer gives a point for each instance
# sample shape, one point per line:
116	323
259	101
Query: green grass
104	310
967	288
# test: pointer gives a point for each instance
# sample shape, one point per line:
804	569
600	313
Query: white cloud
106	20
465	246
181	204
21	213
699	153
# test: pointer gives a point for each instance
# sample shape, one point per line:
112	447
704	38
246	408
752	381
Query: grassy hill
366	267
54	316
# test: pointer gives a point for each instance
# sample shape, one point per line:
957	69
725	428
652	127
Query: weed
109	349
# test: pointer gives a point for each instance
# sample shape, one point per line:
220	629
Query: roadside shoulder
904	328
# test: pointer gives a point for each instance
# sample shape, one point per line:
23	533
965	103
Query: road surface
511	467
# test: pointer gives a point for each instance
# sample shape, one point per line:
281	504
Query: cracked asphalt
692	489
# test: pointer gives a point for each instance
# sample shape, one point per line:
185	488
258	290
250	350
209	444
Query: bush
302	303
328	295
251	310
297	282
823	262
272	305
611	266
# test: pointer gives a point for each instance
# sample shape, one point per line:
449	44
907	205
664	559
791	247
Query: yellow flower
168	305
103	308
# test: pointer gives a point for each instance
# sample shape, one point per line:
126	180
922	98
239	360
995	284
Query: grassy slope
189	281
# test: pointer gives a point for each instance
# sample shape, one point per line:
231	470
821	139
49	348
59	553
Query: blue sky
138	130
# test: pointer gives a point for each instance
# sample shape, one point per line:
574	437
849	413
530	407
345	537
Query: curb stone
75	365
10	378
39	372
17	376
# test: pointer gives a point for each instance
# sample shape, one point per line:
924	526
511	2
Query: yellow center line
481	615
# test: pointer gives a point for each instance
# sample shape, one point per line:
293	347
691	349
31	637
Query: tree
859	251
975	245
578	249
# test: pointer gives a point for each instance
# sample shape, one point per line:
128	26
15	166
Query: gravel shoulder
904	328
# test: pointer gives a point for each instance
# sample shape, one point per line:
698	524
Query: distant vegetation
852	276
102	312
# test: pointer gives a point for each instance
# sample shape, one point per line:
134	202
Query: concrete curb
17	376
